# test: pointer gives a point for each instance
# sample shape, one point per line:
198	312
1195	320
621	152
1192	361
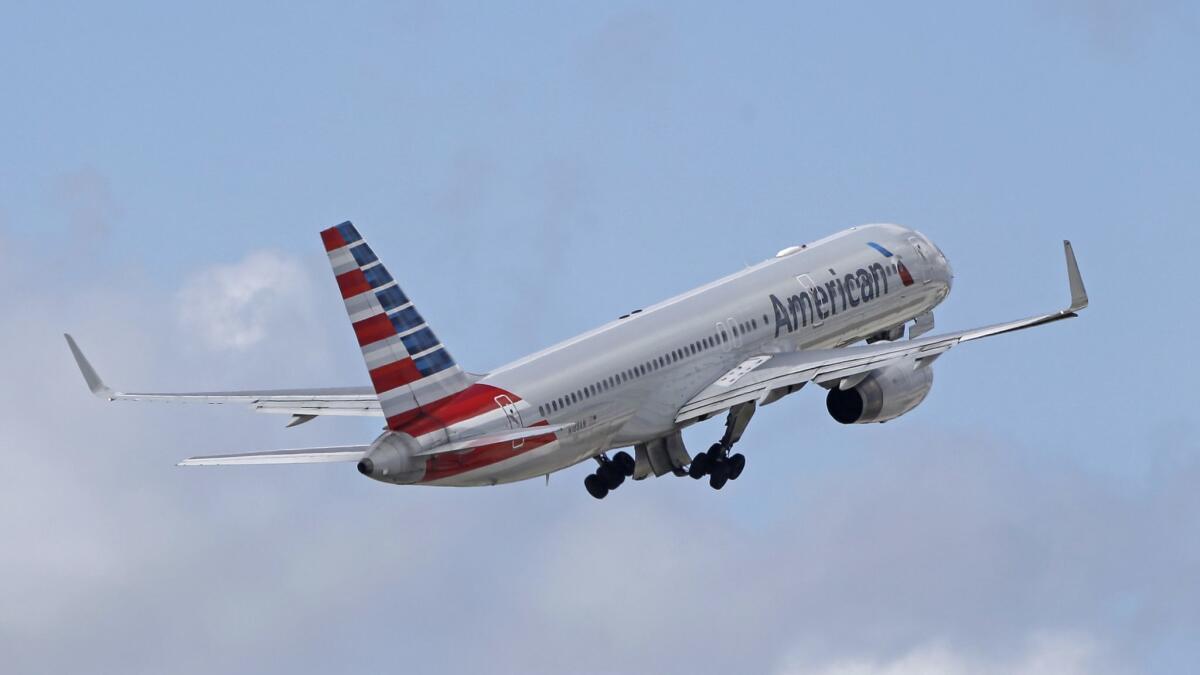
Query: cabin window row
673	356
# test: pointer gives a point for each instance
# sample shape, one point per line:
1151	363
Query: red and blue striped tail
409	367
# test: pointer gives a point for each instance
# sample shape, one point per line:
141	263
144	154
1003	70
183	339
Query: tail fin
409	367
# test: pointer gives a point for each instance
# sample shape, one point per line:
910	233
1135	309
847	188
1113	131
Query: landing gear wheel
595	486
611	476
699	466
721	470
736	464
716	452
624	462
717	480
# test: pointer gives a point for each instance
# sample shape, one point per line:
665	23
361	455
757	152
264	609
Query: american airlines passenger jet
738	343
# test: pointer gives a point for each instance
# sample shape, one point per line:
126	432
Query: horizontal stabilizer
336	453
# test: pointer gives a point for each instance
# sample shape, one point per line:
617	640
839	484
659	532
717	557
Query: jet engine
392	459
883	395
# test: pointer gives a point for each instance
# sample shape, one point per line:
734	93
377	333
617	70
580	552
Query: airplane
729	347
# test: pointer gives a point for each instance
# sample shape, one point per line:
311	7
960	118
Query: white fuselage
624	382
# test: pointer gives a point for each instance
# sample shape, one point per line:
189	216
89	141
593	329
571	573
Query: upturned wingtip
94	383
1079	297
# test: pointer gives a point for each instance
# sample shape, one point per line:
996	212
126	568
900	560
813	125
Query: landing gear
717	463
610	474
595	486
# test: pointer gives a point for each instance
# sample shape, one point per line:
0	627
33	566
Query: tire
595	486
717	481
736	464
624	462
721	469
699	466
716	452
611	476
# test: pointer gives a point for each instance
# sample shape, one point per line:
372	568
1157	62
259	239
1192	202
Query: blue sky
528	172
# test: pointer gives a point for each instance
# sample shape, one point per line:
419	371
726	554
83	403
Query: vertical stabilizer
408	365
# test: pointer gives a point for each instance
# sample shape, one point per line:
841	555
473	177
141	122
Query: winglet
94	383
1079	298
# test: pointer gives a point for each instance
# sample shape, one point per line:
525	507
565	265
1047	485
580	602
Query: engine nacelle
392	459
884	395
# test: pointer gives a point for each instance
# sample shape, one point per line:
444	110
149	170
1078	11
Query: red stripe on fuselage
395	374
352	283
373	329
444	466
473	401
332	238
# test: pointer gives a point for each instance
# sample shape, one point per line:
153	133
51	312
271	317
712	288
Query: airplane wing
764	378
303	404
337	453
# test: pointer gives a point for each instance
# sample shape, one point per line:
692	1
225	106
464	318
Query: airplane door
735	335
512	415
808	285
725	335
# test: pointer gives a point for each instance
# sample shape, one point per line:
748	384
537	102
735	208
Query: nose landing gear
610	474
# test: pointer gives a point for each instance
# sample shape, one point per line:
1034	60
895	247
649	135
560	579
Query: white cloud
941	558
1048	654
235	306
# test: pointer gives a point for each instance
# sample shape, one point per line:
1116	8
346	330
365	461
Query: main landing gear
610	474
717	463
